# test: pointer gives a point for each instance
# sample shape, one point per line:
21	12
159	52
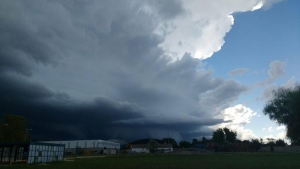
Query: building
143	148
30	152
91	146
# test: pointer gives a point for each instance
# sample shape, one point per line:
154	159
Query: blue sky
138	69
256	39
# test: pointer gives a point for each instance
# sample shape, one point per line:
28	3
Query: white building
30	152
143	148
97	146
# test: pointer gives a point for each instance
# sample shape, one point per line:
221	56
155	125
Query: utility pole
168	139
168	134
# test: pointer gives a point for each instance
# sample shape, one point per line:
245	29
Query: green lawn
213	161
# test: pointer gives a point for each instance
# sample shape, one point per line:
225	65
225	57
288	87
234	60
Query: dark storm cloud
45	109
80	70
63	117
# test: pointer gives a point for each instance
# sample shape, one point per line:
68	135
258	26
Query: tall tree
14	128
152	145
285	109
218	136
222	134
230	135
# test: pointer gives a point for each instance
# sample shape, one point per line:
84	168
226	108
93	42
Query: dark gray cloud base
82	70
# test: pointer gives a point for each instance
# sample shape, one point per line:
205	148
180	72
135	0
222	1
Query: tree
218	136
170	141
285	109
270	141
238	141
229	135
246	141
152	145
184	144
280	142
13	128
227	146
195	141
204	140
255	144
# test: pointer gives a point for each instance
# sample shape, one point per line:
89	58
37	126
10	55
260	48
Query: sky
103	69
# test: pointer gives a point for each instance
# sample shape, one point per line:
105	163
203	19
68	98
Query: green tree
13	128
280	142
170	141
285	109
270	141
152	145
195	141
218	136
229	135
204	140
227	146
238	141
184	144
255	144
222	134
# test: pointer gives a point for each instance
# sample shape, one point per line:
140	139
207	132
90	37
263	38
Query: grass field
213	161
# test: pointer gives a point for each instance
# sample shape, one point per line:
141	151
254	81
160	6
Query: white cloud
270	129
235	118
281	127
238	71
276	70
238	114
258	6
264	129
201	30
281	135
267	94
290	83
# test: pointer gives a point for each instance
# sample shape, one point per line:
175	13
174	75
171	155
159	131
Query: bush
86	152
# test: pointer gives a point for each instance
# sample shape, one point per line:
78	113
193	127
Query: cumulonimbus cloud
203	25
103	69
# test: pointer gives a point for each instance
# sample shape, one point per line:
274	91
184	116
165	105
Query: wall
140	150
166	150
282	148
87	144
45	153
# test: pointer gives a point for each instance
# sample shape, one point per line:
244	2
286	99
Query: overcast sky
102	69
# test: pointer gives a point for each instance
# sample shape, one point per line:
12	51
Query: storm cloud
101	69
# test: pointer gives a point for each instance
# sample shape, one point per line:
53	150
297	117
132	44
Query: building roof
28	143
